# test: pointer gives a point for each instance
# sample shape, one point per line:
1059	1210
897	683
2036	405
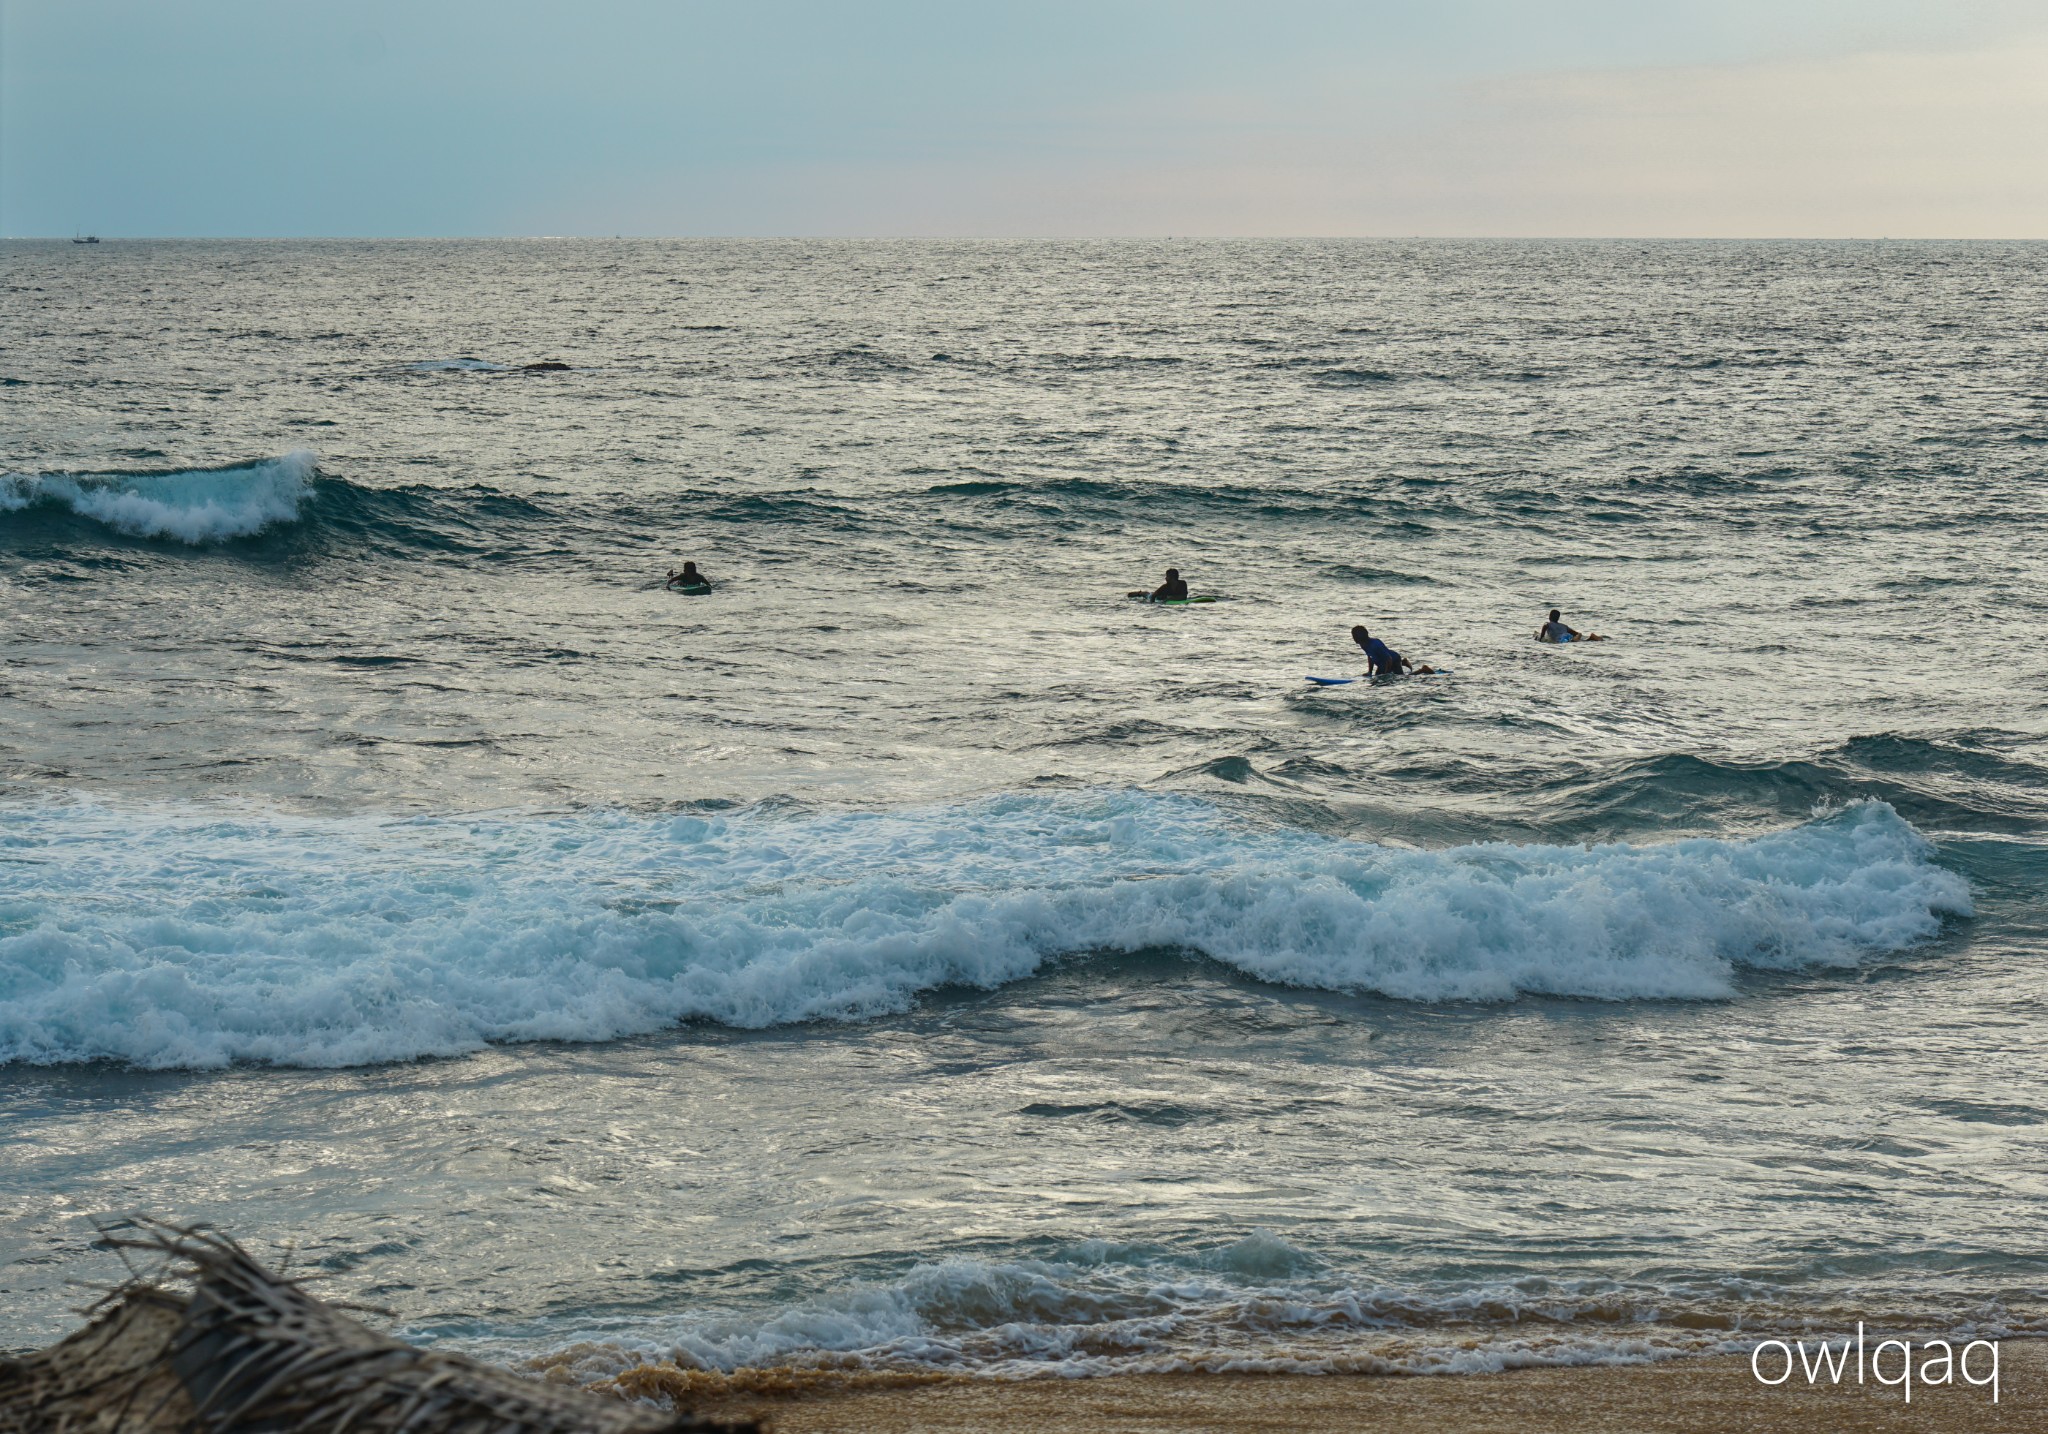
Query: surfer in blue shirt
1173	589
1555	631
1385	662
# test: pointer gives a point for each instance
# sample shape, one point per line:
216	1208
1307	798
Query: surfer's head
690	571
1172	574
1359	635
1553	614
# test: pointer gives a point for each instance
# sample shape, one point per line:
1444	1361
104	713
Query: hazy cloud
1786	117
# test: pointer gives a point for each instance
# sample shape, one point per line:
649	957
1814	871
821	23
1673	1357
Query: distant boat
88	239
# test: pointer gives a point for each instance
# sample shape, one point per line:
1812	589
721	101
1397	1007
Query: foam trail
194	935
194	506
1133	1312
1257	1305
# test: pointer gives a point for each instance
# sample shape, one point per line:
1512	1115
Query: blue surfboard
1346	681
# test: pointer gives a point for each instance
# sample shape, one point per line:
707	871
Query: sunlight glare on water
918	953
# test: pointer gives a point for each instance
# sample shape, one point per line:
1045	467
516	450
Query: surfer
1555	631
689	577
1383	660
1172	590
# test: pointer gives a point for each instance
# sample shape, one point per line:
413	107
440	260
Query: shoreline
1716	1392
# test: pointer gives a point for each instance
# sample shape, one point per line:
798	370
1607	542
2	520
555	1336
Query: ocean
917	956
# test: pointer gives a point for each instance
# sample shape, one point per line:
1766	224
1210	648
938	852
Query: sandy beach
1688	1395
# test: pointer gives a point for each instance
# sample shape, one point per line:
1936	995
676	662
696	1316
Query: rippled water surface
916	953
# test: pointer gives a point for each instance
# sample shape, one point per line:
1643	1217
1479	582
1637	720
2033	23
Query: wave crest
196	506
189	936
1130	1309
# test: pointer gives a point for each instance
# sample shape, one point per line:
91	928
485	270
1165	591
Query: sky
1684	118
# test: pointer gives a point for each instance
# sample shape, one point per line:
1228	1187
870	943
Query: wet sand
1685	1395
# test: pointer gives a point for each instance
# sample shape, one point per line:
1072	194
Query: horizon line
1038	238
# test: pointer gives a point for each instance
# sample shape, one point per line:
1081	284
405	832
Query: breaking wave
196	506
1259	1305
195	936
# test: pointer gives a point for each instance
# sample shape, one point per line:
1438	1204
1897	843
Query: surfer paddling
689	579
1383	660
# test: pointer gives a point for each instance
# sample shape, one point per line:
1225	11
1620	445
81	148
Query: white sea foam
198	506
1143	1311
198	935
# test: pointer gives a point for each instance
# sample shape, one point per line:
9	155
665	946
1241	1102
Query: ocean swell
196	506
194	936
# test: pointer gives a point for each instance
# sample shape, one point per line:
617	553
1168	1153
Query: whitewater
191	507
192	938
915	956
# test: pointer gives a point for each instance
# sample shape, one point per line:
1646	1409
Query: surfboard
1346	681
1173	602
694	590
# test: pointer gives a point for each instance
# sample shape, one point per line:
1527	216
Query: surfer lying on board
1385	662
689	577
1174	589
1555	631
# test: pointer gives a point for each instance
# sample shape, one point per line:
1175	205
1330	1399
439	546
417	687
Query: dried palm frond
248	1352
